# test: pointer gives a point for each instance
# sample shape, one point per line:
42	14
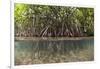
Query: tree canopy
53	21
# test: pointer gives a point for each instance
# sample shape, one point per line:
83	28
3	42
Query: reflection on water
49	51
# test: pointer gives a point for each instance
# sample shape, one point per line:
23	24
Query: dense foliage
53	21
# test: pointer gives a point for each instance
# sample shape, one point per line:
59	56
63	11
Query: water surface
53	51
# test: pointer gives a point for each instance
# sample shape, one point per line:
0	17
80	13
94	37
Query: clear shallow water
49	51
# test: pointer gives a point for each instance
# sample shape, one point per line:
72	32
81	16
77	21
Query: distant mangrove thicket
53	21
